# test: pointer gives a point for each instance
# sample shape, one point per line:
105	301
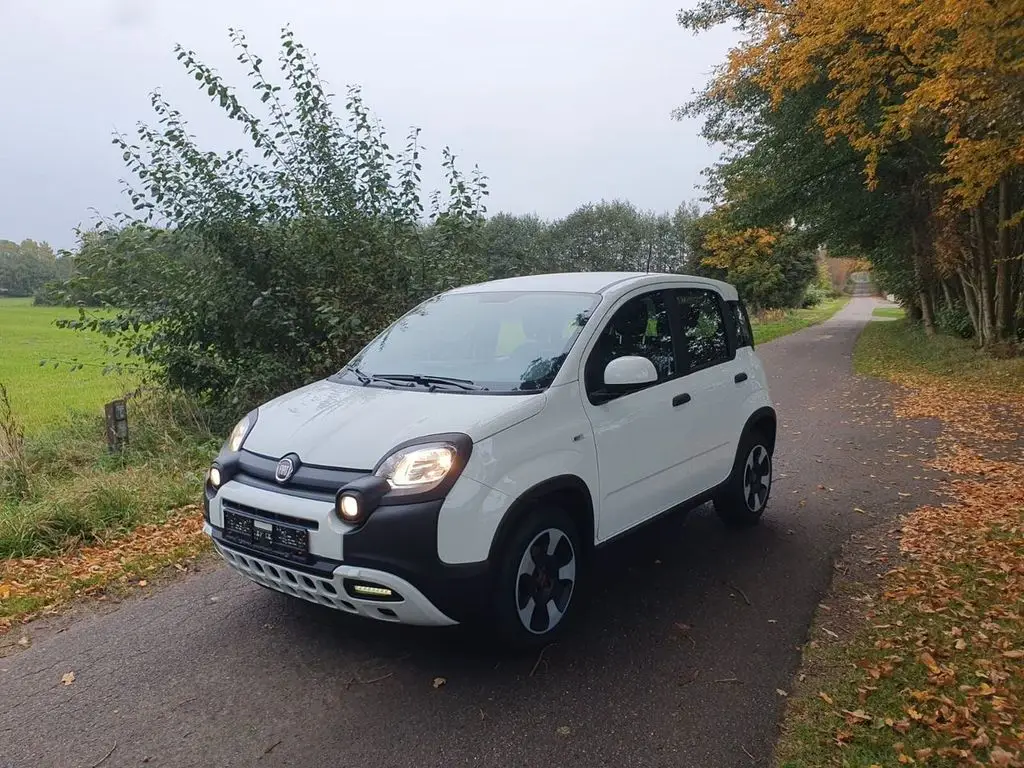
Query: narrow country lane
692	632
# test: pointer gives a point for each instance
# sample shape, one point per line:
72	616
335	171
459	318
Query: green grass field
42	395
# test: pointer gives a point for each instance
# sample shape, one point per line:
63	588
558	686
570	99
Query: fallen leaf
439	681
1000	757
23	642
981	741
929	661
961	644
1016	654
143	583
781	692
564	730
826	698
68	678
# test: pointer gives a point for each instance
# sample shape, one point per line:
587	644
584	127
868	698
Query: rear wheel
745	496
539	579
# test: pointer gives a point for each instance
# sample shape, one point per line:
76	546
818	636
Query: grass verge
75	519
931	671
894	313
31	587
775	323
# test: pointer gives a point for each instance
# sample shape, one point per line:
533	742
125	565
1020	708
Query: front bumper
412	608
395	548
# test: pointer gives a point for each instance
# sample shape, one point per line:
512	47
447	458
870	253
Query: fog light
215	477
349	508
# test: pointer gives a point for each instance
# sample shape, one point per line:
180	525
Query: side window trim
668	298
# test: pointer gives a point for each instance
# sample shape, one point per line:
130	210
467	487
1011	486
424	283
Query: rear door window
703	325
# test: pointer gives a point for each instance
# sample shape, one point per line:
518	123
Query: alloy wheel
757	478
545	581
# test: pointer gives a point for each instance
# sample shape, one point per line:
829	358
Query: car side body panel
556	442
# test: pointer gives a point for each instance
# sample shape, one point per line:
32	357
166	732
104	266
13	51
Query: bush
815	294
954	320
273	272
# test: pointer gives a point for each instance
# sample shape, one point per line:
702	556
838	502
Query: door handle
681	399
740	377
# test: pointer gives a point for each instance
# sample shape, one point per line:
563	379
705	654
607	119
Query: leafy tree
242	274
887	129
27	266
771	268
516	245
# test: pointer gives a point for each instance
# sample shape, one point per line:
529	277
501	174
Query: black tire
514	590
742	501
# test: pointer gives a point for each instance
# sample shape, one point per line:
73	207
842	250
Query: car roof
593	282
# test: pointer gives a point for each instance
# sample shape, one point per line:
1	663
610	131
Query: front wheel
539	580
743	499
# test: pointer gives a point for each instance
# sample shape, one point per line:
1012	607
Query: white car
468	461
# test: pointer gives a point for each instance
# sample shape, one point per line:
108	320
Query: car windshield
498	342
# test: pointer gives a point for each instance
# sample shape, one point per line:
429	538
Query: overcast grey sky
559	102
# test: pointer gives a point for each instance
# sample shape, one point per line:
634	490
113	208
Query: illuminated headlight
418	468
240	432
215	478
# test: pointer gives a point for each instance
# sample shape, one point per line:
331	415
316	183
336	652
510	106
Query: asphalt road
678	662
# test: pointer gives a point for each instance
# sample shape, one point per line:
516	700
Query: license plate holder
266	536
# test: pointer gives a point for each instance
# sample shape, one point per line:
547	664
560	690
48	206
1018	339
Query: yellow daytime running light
422	466
366	589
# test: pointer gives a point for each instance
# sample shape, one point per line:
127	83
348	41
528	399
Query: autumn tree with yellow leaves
906	121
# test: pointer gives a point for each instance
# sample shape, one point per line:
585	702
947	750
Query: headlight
419	467
240	432
424	470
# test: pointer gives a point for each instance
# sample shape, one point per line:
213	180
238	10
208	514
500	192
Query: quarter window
639	327
703	327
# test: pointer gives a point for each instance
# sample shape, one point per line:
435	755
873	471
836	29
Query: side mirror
625	373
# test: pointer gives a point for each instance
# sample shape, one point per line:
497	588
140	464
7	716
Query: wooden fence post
117	425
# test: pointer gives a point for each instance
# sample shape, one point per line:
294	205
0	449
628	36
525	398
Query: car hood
333	424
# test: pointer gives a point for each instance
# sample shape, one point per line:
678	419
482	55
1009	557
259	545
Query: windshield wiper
430	381
364	379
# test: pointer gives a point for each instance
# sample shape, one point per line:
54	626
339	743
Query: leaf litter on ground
35	586
941	681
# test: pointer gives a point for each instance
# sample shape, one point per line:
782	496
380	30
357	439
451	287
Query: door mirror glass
628	372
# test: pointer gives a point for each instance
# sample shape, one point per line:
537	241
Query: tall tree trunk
924	293
971	302
986	303
914	310
950	301
1004	267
